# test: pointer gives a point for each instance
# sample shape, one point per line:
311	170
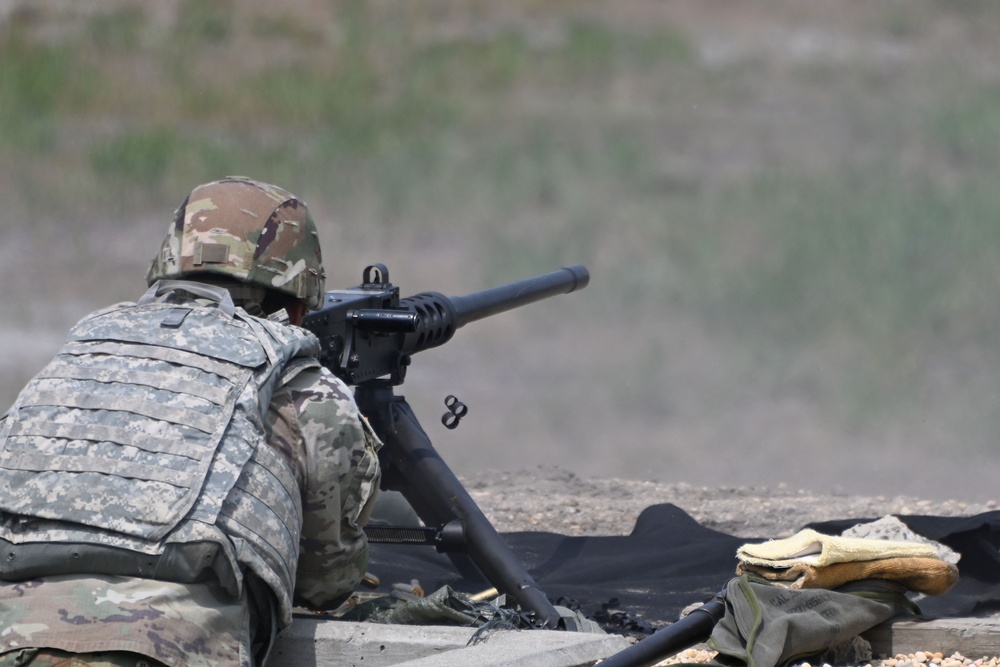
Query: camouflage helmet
252	232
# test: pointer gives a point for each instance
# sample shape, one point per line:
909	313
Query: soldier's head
257	240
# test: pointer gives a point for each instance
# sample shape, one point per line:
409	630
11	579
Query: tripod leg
439	497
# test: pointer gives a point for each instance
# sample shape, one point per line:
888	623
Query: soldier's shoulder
320	384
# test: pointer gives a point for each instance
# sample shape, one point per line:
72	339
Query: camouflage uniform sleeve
317	425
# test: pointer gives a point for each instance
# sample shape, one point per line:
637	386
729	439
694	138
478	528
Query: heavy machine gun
368	335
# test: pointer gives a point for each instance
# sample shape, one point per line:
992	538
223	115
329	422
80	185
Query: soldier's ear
296	311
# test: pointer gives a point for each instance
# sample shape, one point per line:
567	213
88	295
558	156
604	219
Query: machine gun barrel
439	316
495	300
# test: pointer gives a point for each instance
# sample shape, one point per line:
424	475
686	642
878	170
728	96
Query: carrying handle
220	295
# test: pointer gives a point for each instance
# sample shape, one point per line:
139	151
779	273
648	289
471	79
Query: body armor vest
140	450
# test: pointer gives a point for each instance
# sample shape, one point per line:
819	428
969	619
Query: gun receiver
368	332
368	335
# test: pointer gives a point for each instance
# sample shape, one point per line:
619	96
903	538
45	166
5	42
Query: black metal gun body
368	332
368	335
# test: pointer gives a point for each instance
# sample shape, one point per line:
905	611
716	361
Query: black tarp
670	561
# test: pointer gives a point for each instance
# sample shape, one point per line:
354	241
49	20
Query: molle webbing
265	511
172	355
69	451
100	433
137	406
86	464
65	371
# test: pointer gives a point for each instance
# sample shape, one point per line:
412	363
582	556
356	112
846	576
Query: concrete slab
323	642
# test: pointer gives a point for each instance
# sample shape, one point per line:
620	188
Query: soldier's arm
338	468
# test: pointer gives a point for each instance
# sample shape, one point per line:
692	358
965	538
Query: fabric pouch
766	625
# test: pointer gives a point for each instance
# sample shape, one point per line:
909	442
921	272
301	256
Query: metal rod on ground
667	641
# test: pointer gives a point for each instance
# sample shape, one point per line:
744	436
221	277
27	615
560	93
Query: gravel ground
556	500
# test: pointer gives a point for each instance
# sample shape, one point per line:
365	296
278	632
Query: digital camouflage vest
140	450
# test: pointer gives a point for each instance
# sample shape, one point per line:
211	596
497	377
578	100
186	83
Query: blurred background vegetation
789	209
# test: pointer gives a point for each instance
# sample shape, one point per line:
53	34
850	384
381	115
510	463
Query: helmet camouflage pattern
245	230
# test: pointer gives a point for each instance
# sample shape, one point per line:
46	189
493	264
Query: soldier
184	471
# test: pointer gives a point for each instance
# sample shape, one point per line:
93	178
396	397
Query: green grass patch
203	23
116	31
137	158
880	272
33	84
969	127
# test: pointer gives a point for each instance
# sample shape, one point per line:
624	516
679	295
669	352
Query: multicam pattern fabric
175	624
51	657
325	456
337	468
252	232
